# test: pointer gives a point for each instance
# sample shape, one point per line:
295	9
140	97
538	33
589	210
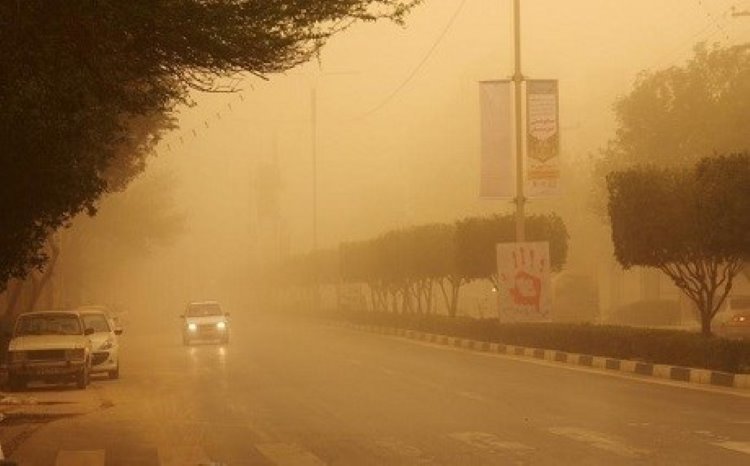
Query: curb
676	373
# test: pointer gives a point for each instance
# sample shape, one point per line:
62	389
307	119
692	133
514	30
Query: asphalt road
293	392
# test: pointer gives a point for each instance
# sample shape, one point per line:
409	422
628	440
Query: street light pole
314	143
518	80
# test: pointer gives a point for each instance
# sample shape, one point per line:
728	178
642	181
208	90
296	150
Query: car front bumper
39	369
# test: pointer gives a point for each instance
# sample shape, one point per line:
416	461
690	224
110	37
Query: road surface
295	392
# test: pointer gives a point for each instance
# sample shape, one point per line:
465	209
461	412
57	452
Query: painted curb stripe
724	379
680	373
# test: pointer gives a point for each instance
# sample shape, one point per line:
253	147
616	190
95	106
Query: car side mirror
88	331
118	331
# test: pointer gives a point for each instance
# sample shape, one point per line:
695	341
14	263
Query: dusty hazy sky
388	158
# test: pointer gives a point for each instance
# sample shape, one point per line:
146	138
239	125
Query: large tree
692	224
674	117
77	75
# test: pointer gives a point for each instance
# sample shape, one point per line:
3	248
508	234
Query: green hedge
672	347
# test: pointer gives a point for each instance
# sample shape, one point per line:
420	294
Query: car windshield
48	324
203	310
98	322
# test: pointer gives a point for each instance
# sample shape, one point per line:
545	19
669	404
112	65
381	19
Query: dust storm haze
397	141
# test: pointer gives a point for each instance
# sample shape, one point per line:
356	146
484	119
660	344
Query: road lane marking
401	449
285	454
489	442
80	458
742	447
598	440
473	396
181	455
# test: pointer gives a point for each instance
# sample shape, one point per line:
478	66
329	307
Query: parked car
733	321
104	341
205	321
52	346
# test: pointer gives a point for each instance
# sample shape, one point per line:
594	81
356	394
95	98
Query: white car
104	342
52	346
205	321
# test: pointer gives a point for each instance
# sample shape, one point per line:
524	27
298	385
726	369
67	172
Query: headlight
221	325
107	345
75	354
192	327
17	356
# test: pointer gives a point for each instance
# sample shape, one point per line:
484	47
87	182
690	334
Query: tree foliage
675	116
76	77
403	268
477	237
692	224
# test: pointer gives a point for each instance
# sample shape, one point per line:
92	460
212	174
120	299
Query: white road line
473	396
80	458
489	442
742	447
399	448
598	440
284	454
180	455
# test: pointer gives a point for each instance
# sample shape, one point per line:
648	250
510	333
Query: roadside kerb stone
724	379
585	360
742	380
700	376
599	362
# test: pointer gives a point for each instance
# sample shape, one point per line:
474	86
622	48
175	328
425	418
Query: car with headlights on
105	344
49	346
205	321
733	321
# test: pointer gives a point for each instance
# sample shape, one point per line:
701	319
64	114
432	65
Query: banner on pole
524	282
498	167
542	138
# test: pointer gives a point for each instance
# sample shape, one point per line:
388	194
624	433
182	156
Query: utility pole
518	80
314	143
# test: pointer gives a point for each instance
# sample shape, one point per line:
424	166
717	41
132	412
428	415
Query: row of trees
403	268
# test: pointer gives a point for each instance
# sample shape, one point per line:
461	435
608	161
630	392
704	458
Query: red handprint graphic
525	286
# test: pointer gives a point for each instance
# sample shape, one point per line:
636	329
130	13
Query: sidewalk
21	414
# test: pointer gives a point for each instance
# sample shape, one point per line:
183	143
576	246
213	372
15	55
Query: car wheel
82	379
16	383
114	374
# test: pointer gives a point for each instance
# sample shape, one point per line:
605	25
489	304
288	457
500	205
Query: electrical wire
419	66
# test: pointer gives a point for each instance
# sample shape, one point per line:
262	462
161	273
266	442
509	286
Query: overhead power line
420	64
